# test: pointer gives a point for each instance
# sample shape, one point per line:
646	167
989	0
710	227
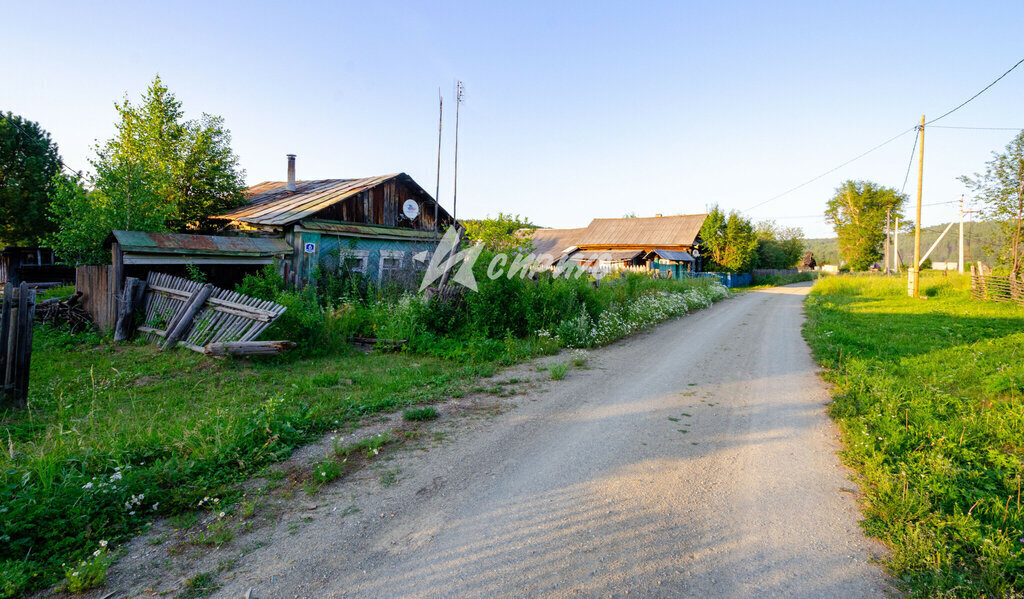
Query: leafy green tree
1001	190
86	217
158	173
28	162
189	165
778	247
857	212
728	242
507	232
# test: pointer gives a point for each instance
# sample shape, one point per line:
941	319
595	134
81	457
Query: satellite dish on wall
411	209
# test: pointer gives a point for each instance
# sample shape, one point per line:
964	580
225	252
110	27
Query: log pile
64	312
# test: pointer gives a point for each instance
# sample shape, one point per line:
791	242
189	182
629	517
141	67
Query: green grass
420	414
200	585
928	399
106	423
558	371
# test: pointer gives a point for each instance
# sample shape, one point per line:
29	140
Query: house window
420	260
390	261
355	260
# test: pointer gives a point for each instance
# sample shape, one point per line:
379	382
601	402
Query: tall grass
928	396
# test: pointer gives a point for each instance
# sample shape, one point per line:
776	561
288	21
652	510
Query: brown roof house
664	243
378	226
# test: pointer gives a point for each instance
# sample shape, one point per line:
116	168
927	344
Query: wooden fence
992	288
16	316
97	285
178	310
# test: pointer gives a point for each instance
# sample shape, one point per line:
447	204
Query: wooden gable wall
382	205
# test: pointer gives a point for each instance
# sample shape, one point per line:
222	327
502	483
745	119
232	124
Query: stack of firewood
64	312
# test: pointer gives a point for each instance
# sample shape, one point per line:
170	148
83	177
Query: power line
830	171
29	137
910	163
979	128
983	90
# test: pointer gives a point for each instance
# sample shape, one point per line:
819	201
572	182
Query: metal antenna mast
455	188
437	187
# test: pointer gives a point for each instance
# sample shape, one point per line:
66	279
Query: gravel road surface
694	460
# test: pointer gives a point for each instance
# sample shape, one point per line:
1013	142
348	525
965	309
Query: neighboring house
380	227
33	265
665	243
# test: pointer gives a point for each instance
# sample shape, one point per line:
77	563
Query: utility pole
960	262
437	187
896	245
455	187
888	230
914	280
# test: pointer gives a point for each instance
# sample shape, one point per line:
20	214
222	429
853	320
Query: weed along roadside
927	395
125	438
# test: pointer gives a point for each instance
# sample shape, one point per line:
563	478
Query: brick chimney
291	173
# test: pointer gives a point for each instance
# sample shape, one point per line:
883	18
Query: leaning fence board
16	320
222	317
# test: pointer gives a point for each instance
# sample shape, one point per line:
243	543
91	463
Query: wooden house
668	244
381	227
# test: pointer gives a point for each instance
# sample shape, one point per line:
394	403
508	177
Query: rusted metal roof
271	204
554	242
367	231
643	232
143	242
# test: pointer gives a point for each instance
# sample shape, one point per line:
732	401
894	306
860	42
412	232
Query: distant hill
977	239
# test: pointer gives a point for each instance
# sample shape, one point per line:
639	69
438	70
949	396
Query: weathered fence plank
18	313
172	307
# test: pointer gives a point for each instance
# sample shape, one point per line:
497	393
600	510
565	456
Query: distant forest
979	237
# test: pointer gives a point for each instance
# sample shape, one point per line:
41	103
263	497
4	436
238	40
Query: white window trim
362	259
385	254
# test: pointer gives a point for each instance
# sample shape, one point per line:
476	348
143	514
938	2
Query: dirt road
695	460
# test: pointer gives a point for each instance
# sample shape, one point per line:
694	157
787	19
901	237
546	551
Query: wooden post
116	277
5	337
187	314
126	306
26	317
914	283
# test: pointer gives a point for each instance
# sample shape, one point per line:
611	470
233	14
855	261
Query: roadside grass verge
928	398
116	436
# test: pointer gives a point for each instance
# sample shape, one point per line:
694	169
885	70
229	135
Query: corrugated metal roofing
614	255
270	203
554	241
368	231
179	243
675	255
647	232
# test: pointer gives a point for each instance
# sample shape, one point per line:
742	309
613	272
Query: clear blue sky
572	111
